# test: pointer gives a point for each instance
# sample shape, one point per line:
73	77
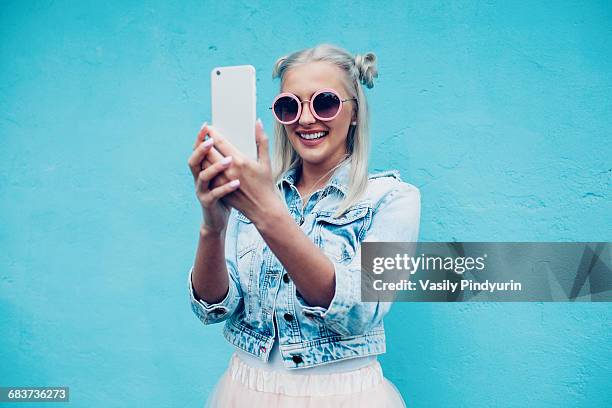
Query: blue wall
499	113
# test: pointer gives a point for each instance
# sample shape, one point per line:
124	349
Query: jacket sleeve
210	313
395	219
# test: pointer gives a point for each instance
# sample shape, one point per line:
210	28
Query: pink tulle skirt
245	386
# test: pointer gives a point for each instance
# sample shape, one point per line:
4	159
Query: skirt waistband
277	382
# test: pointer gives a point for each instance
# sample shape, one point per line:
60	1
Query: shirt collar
339	179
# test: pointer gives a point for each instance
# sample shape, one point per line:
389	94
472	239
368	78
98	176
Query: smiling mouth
312	136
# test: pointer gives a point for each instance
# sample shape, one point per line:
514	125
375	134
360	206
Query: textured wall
499	113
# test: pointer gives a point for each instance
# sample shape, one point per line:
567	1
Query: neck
314	175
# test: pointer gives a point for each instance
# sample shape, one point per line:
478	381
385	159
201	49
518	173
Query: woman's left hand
256	197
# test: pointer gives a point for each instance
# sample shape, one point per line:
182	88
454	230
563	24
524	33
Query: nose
306	117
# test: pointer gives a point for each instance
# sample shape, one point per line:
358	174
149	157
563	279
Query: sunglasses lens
326	104
286	109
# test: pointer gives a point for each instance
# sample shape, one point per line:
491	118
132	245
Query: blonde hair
359	70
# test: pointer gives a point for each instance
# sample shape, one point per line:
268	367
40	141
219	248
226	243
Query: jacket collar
339	179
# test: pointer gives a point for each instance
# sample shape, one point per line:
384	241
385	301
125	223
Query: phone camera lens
218	72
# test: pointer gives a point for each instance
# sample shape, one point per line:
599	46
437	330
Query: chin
311	157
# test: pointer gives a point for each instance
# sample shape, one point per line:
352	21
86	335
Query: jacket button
286	278
297	359
288	317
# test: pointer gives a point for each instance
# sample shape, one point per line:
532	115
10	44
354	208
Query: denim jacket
262	295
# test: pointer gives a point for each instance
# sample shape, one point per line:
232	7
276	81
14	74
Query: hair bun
366	66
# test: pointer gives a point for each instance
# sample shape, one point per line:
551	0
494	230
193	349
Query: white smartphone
234	106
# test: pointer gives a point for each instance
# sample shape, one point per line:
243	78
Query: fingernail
203	126
226	160
260	123
234	183
207	142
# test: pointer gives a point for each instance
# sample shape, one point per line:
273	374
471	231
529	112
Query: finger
212	171
222	144
215	156
261	139
220	180
211	158
198	155
201	135
220	192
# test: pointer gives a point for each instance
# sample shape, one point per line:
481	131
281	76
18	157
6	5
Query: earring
353	123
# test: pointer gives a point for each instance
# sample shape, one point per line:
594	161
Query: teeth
311	136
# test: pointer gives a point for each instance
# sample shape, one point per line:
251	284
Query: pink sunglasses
325	105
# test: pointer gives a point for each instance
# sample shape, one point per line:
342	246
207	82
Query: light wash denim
261	294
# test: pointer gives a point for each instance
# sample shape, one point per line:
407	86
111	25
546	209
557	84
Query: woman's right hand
215	212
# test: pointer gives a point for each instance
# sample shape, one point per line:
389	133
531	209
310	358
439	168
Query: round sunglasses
325	105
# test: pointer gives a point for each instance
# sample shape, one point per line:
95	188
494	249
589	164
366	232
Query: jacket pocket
339	237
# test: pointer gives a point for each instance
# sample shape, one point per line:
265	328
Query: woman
279	257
